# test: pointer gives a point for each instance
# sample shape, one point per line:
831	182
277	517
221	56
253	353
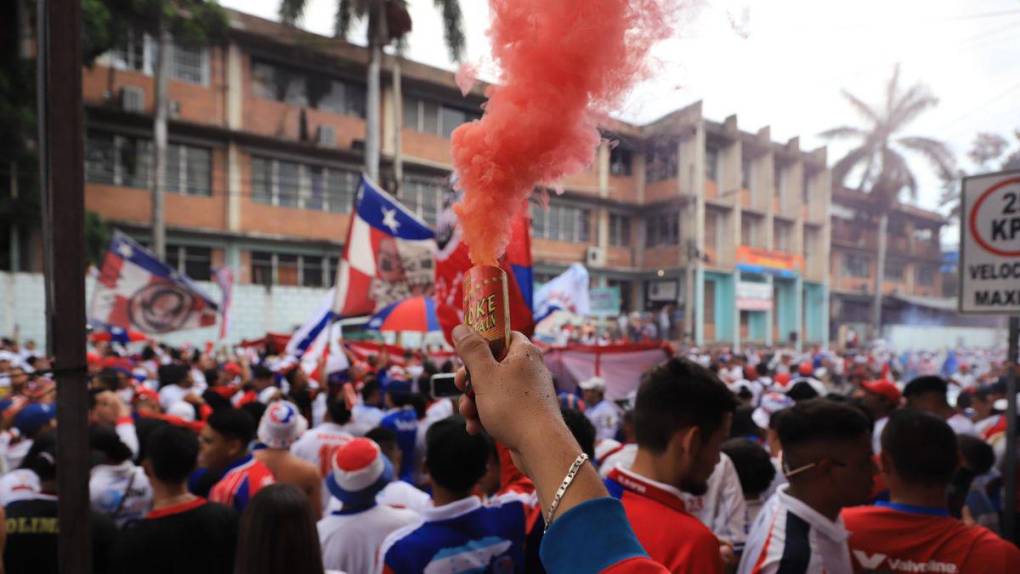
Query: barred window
619	230
296	87
290	269
712	164
189	169
855	265
662	161
662	229
139	52
424	197
261	268
195	262
561	223
114	159
428	116
190	64
303	186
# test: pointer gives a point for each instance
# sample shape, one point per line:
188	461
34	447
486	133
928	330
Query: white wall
256	309
943	337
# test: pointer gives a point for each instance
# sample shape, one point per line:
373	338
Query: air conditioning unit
132	99
174	109
595	256
326	136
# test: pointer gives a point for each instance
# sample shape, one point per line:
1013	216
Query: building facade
913	282
727	227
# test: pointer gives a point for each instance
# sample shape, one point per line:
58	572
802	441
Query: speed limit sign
990	244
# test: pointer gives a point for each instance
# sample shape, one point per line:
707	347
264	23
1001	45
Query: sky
783	63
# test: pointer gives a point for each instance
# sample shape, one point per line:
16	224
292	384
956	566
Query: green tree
879	160
388	20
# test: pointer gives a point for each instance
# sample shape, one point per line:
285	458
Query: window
712	164
620	159
424	197
662	161
782	235
805	192
662	229
292	184
117	159
290	269
925	275
561	223
138	52
195	262
298	88
778	179
619	230
189	170
750	230
855	265
894	269
427	116
745	172
714	228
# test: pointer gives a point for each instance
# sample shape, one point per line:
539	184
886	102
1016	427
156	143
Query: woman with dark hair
278	534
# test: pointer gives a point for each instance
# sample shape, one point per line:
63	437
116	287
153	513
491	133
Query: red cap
232	369
883	387
750	373
806	369
782	379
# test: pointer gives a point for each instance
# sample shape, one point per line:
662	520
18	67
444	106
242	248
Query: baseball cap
594	384
281	425
926	384
358	471
806	369
771	403
883	387
33	417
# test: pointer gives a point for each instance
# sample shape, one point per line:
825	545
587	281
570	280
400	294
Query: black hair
582	429
926	384
978	455
93	393
233	424
743	424
370	388
104	440
676	395
172	452
820	420
455	459
278	534
42	456
172	374
753	464
384	437
254	409
337	409
108	378
261	372
762	369
211	376
802	391
148	353
922	447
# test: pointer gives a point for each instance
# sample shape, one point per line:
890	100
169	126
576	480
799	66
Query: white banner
754	296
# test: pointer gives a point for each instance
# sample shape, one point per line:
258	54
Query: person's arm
516	402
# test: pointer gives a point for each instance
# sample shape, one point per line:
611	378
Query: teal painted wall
785	307
814	312
725	305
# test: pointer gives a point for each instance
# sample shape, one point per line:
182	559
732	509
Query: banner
605	301
136	290
754	296
389	255
566	292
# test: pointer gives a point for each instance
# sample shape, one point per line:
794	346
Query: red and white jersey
899	538
792	538
317	446
239	484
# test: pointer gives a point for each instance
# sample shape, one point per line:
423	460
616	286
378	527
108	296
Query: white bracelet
567	481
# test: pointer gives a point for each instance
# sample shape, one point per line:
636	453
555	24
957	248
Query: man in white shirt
351	537
928	393
881	398
602	413
367	415
828	462
722	508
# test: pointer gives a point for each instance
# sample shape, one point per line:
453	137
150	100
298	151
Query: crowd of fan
762	461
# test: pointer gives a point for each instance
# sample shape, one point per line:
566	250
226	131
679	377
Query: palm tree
879	159
388	20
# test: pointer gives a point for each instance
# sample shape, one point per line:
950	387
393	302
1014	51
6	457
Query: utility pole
159	142
62	184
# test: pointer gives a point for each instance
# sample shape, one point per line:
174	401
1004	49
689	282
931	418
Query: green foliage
97	238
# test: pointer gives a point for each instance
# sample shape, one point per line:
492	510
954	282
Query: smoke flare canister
486	306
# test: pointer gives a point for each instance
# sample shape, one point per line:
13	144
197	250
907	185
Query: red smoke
564	63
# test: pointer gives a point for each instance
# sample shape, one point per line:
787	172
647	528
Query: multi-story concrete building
912	265
266	139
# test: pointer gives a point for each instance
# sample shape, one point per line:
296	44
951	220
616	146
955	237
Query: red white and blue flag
389	255
136	290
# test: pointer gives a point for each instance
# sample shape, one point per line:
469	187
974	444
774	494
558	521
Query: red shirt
900	538
669	535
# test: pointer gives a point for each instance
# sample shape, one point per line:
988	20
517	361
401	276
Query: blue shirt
404	423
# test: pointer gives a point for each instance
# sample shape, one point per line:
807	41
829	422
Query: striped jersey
790	537
240	482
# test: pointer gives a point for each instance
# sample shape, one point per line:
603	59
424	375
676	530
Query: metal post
60	166
1011	383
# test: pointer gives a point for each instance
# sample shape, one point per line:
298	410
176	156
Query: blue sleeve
590	537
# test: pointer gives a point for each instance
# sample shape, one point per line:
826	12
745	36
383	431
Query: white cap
594	384
281	425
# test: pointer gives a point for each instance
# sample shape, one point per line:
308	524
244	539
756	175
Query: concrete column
699	309
602	227
736	312
826	314
235	188
798	312
602	164
771	312
235	88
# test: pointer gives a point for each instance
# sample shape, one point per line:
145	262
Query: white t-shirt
876	435
722	508
317	446
623	458
112	484
962	425
19	484
399	494
351	542
14	449
606	419
171	394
